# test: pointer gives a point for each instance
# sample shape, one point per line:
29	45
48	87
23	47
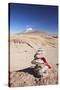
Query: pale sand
22	54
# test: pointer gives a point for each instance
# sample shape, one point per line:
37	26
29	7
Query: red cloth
45	61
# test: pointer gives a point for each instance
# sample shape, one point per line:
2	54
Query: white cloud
29	29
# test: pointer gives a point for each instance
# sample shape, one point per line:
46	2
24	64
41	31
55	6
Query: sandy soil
22	50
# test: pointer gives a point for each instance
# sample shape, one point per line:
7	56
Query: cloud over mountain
29	29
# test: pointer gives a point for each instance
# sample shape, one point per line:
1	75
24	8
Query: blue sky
40	17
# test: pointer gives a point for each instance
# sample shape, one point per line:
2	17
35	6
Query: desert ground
23	47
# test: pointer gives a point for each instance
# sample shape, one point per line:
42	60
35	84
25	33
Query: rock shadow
29	70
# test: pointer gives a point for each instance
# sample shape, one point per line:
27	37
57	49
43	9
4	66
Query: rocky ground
27	77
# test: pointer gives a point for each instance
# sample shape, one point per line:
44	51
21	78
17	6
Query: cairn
41	65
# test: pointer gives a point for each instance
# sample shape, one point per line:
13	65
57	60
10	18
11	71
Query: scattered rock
21	78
